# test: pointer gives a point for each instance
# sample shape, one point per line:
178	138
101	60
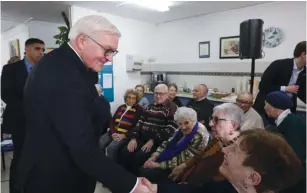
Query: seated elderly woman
190	138
122	123
172	92
155	126
225	125
257	162
143	100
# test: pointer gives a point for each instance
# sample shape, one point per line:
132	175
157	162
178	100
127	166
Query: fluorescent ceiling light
158	5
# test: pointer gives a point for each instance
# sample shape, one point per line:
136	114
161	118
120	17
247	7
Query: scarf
174	148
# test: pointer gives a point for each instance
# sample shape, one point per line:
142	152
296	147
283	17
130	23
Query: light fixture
158	5
155	5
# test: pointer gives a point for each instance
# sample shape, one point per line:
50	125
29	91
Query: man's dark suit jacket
203	108
13	80
276	75
61	152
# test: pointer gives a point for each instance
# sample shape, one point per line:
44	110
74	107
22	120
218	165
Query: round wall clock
272	37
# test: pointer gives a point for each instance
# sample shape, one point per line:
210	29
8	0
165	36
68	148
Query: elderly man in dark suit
13	80
287	75
63	117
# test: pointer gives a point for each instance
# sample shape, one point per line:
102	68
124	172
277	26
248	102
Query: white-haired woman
258	162
190	138
225	126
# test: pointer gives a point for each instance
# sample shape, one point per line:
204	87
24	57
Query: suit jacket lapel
23	70
302	75
85	72
288	70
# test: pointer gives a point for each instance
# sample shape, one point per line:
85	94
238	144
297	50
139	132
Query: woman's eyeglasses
216	119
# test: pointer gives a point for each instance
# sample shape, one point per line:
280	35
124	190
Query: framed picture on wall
14	48
229	47
204	49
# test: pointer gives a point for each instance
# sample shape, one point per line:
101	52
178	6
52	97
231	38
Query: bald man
201	104
251	118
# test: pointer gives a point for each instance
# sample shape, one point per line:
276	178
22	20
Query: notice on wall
107	80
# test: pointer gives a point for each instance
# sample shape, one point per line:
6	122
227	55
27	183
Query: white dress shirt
293	79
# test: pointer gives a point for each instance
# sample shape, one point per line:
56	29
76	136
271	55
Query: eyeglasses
216	119
159	93
107	52
131	98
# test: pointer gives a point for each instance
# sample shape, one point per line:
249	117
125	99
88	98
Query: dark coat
276	75
61	152
204	110
13	80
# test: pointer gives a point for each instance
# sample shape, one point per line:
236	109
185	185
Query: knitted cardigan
125	124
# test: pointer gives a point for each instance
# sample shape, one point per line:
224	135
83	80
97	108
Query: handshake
145	186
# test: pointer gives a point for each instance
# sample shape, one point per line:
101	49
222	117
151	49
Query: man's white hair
161	86
92	24
185	112
231	111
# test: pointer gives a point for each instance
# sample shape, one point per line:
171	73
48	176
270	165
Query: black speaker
251	39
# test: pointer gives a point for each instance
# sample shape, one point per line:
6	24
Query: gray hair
205	87
92	24
246	94
231	111
185	112
162	86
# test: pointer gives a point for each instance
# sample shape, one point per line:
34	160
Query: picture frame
204	49
229	47
14	48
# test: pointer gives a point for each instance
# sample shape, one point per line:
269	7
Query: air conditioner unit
134	63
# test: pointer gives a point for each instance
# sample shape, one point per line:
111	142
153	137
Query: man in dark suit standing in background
287	75
61	152
13	79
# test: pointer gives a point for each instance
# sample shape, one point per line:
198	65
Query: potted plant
62	37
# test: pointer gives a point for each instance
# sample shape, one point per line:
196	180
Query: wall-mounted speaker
251	35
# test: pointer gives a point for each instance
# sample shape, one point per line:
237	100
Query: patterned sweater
156	122
124	120
197	144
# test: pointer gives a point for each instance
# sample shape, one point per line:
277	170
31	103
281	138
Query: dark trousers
132	161
155	175
18	140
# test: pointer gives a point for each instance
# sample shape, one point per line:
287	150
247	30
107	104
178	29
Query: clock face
272	37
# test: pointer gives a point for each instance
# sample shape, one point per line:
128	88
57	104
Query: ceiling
180	9
16	12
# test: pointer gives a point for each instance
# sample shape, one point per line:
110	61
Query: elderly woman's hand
150	164
132	145
177	171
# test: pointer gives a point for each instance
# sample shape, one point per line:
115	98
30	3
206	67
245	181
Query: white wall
176	47
34	29
45	31
179	40
20	32
136	39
